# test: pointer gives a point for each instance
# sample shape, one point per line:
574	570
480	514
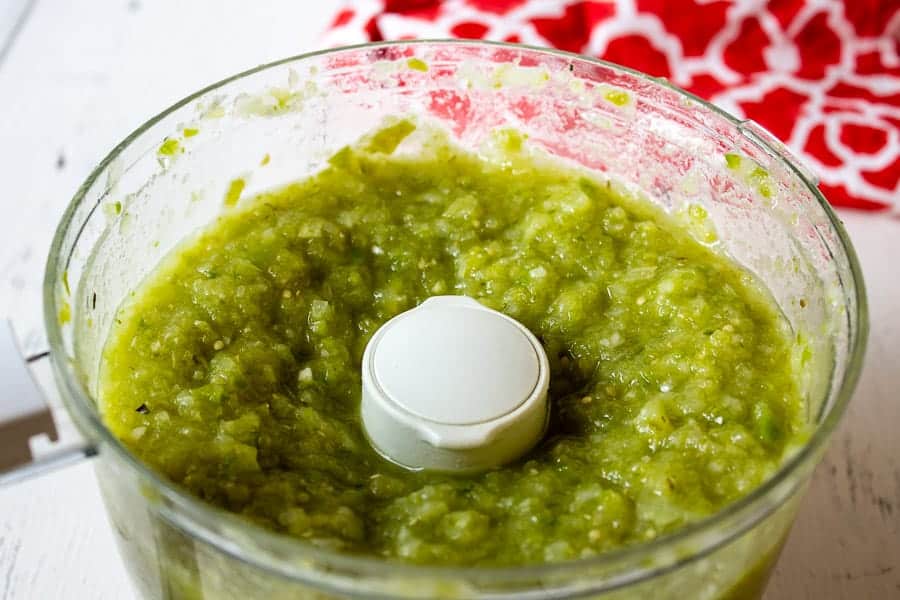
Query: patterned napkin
823	76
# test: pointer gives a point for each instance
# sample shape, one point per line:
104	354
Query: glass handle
761	136
30	441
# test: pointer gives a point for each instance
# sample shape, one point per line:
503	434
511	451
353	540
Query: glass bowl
169	177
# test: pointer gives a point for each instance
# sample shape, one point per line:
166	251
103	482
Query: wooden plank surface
81	76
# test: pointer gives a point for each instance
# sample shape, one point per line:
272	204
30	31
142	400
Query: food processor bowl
280	122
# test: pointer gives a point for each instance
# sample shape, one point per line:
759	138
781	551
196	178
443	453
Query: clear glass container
163	183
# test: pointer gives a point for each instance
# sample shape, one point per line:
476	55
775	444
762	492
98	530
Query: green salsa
235	369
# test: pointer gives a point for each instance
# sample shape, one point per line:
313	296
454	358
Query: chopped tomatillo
671	386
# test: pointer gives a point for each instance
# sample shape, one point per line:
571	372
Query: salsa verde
235	367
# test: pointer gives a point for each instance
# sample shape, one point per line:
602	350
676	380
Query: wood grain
846	541
81	76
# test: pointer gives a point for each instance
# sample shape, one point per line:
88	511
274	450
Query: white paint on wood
846	541
82	75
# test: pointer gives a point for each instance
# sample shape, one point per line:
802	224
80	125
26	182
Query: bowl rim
279	554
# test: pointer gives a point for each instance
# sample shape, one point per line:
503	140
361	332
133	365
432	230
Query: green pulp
235	368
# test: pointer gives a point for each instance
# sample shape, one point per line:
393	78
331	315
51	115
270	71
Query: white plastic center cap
454	385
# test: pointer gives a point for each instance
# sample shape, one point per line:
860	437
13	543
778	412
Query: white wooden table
82	75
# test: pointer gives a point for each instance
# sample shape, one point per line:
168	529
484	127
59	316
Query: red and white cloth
823	76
